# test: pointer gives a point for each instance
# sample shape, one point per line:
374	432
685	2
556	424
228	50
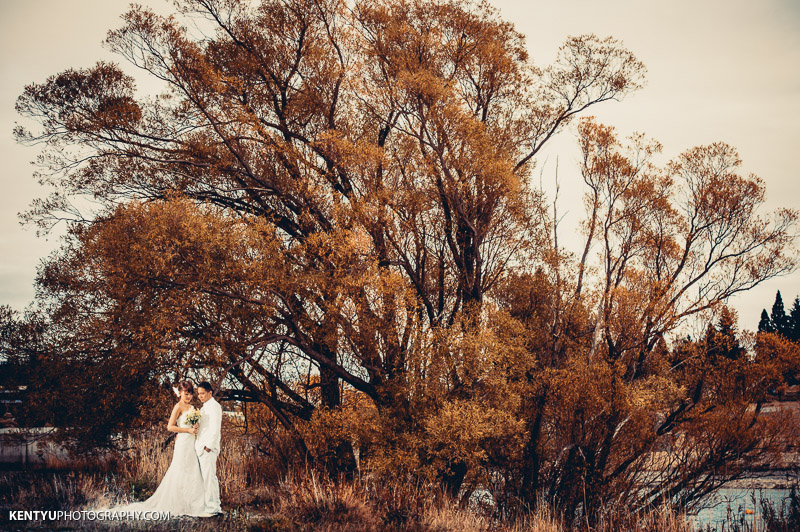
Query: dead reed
260	493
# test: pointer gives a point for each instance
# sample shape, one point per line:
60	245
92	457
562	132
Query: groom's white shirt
209	427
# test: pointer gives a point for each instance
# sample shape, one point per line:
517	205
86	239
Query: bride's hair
186	386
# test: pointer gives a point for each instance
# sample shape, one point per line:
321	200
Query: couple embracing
190	486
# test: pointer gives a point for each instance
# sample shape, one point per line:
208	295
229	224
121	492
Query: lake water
733	503
725	504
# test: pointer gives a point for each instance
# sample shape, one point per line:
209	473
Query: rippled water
730	503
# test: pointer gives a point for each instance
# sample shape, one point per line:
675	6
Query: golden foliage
329	213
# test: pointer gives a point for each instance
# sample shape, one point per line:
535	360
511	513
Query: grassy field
260	493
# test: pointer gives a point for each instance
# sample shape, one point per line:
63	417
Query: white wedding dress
181	489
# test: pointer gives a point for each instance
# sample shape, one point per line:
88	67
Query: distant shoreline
779	479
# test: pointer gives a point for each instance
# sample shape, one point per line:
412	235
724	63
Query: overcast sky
718	70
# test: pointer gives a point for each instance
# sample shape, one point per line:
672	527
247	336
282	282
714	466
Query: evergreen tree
778	316
765	325
794	320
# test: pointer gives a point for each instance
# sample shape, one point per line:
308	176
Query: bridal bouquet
192	418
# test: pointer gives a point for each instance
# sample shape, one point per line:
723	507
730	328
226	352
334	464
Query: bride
181	489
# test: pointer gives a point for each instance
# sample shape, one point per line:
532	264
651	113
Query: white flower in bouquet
192	418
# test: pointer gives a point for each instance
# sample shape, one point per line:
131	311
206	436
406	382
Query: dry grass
657	520
311	503
52	490
343	506
258	493
245	478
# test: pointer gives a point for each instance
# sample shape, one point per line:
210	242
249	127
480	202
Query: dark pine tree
794	320
765	325
778	316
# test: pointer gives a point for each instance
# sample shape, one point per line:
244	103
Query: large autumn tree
409	127
332	200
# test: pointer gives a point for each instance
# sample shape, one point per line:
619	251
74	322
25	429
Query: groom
207	446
